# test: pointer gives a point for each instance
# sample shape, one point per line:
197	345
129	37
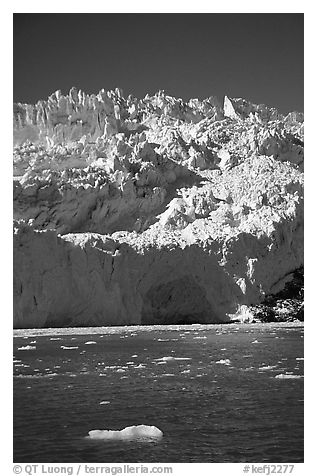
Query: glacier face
149	211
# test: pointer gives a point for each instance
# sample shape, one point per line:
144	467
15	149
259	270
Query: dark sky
255	56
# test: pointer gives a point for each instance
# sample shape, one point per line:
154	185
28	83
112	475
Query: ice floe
286	376
170	357
268	367
223	361
129	433
68	348
27	347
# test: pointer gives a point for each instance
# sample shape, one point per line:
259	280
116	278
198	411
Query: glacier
148	211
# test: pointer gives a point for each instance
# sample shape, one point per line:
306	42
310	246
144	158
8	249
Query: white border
164	6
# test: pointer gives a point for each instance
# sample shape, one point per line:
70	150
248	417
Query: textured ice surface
107	187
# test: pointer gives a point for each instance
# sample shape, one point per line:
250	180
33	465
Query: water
223	393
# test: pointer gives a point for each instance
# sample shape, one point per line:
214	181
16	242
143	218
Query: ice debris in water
166	359
27	347
283	376
90	342
105	402
223	361
128	433
68	348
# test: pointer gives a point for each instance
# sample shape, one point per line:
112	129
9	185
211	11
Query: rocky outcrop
150	211
285	306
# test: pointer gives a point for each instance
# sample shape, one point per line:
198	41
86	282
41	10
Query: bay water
219	393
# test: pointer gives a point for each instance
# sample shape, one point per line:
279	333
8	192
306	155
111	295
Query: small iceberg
170	358
283	376
27	347
268	367
223	361
138	432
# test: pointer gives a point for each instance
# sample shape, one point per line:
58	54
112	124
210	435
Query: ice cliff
157	210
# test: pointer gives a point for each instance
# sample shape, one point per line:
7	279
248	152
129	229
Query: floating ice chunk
223	361
132	356
27	347
68	348
170	357
90	342
256	342
299	358
268	367
143	432
104	402
283	376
